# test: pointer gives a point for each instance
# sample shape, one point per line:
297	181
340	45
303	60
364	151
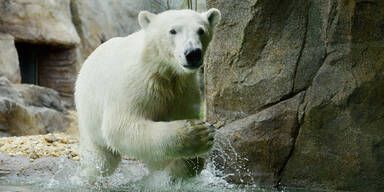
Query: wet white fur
132	90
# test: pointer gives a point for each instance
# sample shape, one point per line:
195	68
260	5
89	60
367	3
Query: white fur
133	96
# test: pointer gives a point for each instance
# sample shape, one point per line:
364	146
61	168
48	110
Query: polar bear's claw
196	138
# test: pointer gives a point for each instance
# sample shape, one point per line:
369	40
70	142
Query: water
60	175
130	176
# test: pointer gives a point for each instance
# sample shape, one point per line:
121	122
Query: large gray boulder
265	53
255	149
9	62
251	63
29	109
40	21
97	21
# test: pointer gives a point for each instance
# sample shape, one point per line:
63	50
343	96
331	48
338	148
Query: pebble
37	146
50	139
218	124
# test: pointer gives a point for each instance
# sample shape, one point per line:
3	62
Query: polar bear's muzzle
194	58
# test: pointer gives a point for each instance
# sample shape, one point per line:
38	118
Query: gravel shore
38	146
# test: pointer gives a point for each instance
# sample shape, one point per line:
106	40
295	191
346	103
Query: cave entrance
28	63
48	66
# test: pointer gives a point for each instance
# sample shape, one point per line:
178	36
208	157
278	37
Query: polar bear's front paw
196	137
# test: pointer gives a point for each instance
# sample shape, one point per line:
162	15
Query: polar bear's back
101	76
101	70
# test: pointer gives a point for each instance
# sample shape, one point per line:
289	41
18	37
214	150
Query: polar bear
138	96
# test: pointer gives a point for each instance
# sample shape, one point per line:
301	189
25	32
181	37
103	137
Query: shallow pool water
60	175
130	176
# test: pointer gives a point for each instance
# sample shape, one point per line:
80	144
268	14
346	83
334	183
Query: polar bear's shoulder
124	44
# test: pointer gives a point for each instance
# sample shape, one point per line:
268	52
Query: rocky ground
37	156
37	146
50	160
57	144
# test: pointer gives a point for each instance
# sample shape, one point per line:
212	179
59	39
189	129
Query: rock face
263	142
57	70
9	62
99	20
29	109
328	51
45	37
44	21
257	68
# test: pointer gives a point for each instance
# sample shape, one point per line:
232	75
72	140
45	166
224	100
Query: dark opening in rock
28	63
48	66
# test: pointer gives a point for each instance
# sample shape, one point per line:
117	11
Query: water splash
225	157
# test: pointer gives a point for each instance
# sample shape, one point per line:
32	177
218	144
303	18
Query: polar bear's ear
145	18
213	16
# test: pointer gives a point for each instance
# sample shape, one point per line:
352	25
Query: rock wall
57	70
30	110
97	21
299	85
9	63
38	21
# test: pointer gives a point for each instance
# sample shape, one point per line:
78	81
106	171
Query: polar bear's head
180	36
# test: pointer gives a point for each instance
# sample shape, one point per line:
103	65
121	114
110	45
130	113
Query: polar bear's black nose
193	57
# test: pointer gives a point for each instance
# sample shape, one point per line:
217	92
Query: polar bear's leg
97	161
178	168
148	140
184	168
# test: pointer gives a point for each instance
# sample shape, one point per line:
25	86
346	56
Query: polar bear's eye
172	31
200	31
